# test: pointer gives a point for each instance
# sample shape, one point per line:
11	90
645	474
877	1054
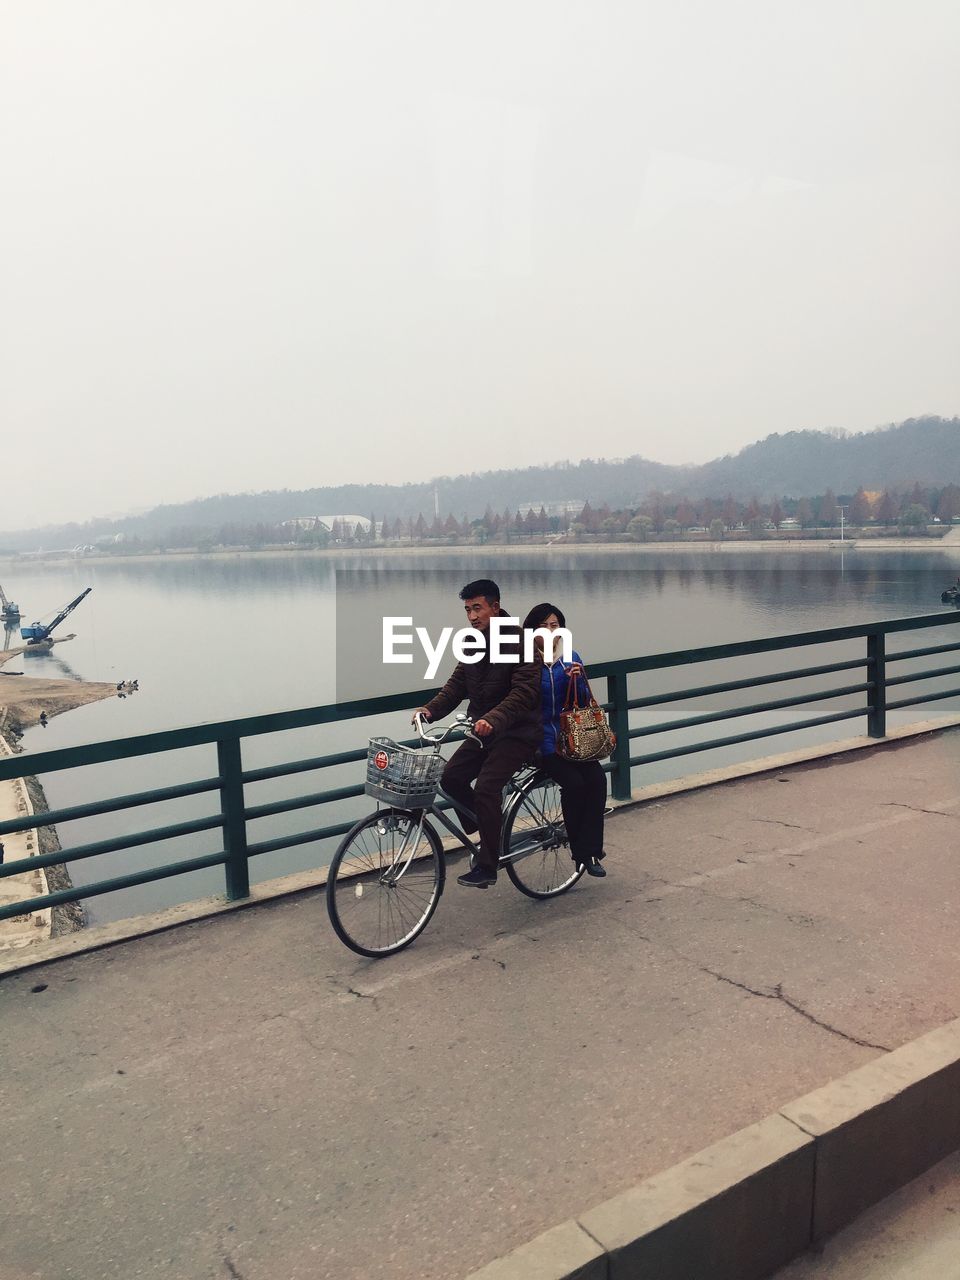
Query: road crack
778	993
302	1031
362	995
899	804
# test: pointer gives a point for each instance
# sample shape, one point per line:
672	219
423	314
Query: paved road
244	1098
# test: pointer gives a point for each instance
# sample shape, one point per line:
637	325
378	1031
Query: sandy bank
44	646
23	698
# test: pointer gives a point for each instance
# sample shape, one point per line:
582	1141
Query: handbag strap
572	701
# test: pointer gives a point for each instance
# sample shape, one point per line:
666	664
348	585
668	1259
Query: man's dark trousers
493	765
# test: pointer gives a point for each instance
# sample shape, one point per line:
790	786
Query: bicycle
387	876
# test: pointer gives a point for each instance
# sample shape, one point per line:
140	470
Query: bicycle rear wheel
535	848
384	882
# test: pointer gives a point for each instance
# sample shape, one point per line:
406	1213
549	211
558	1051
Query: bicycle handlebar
466	724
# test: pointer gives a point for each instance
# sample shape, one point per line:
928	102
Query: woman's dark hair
540	613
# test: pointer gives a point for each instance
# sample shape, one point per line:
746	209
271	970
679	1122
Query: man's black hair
482	587
539	614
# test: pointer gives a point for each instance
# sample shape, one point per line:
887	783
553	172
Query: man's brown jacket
507	694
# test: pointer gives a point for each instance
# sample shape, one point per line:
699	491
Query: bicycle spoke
535	841
384	883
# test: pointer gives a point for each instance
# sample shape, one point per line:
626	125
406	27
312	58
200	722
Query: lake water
212	639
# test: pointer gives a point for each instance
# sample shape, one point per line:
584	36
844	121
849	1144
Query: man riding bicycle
504	703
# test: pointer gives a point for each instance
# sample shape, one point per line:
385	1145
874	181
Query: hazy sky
278	244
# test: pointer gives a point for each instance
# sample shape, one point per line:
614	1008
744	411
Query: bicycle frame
412	839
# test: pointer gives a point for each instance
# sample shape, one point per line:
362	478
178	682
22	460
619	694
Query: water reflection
49	665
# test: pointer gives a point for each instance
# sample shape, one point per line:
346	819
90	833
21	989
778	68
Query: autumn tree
887	508
656	510
684	514
860	508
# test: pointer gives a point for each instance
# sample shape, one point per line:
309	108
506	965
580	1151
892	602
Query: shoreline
24	796
24	700
67	917
740	546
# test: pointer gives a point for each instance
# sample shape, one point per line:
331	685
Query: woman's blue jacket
554	682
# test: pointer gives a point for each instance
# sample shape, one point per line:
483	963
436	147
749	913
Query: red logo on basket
381	759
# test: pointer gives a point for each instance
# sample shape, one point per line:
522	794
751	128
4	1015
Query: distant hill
796	464
802	463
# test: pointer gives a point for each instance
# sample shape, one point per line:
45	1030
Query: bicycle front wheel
535	847
384	882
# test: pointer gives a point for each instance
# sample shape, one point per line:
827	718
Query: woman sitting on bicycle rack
504	703
583	784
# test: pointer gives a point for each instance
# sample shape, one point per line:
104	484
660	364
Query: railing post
234	818
877	695
620	724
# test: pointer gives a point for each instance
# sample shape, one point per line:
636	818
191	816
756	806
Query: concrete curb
747	1205
300	882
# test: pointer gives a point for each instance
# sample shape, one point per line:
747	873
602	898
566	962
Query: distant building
789	523
349	522
566	509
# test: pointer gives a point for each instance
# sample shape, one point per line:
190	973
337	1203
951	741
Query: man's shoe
478	878
595	868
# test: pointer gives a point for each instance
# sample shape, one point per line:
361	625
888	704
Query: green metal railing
231	779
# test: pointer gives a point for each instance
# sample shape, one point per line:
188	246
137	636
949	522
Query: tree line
659	515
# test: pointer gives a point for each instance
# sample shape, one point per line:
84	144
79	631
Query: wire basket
402	776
